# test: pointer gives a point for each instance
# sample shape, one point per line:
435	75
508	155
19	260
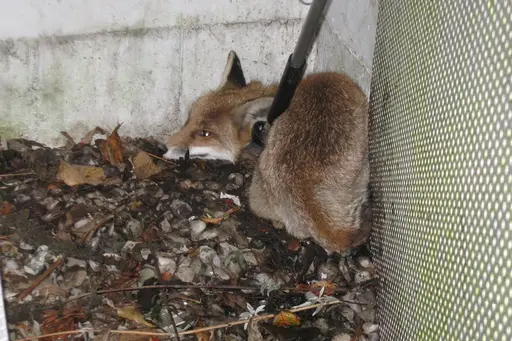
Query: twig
15	174
187	332
158	157
40	279
200	286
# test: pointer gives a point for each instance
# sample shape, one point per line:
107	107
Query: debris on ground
103	239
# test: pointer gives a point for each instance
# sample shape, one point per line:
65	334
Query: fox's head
220	122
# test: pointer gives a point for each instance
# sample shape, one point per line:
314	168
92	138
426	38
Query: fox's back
325	125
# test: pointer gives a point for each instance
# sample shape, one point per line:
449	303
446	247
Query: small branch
158	157
187	332
41	278
199	286
10	175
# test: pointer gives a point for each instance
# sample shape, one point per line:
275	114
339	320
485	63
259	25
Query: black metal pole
295	67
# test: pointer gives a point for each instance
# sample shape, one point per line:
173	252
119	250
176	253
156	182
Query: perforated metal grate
440	150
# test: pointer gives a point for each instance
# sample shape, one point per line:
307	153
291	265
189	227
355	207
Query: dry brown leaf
73	175
6	208
203	336
143	166
217	221
286	319
46	290
132	314
57	321
87	139
112	149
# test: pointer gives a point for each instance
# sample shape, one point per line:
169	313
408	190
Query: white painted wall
70	65
347	38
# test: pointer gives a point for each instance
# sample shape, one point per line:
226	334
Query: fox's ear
252	112
233	76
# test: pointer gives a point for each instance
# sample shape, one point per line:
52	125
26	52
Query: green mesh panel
440	151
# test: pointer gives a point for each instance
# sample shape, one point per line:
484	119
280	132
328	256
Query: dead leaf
87	139
217	221
316	287
143	166
253	332
73	175
57	321
235	301
136	206
294	245
166	276
6	208
286	319
53	186
46	290
86	232
203	336
132	314
112	149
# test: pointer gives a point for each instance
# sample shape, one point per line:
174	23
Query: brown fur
313	172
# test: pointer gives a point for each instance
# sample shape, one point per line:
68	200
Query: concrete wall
346	39
75	64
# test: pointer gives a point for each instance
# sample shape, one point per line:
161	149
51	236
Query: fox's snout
220	122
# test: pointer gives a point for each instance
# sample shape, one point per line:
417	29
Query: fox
312	176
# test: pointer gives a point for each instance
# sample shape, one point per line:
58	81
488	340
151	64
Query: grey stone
180	208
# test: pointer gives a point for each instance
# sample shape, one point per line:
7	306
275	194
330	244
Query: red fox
313	173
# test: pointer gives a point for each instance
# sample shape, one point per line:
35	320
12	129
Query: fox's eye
204	133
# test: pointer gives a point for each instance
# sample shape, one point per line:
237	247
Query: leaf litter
85	226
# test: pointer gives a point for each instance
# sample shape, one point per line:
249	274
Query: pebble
212	185
210	234
39	194
237	178
166	264
196	228
225	249
328	272
71	262
165	226
168	215
235	264
365	262
135	227
348	313
362	276
369	328
345	270
250	258
374	337
351	297
368	315
342	337
180	208
50	203
95	266
322	325
208	256
36	262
